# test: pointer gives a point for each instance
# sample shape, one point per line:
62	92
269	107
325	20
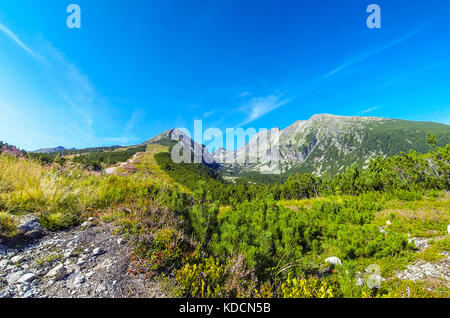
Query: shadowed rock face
175	136
328	143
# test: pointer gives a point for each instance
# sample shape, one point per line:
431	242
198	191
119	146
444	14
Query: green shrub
367	241
8	227
205	279
307	288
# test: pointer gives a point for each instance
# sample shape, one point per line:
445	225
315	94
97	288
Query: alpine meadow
345	195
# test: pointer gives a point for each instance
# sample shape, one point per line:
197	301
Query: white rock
388	222
17	259
87	224
29	277
72	268
448	229
57	272
89	275
4	262
91	219
67	254
121	241
14	277
333	260
97	251
79	280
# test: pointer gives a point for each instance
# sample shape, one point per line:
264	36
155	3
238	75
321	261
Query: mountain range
51	150
322	144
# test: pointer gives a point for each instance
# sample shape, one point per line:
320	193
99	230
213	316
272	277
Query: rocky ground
88	261
433	272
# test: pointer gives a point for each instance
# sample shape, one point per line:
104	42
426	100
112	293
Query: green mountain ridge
323	144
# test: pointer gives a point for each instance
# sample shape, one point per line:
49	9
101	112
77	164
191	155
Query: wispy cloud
16	39
260	106
358	59
210	113
136	116
244	94
71	85
369	110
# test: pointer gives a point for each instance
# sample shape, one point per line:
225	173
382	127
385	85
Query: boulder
28	277
57	272
17	259
30	227
97	251
28	224
14	277
87	224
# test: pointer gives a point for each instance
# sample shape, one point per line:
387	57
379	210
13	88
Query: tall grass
63	198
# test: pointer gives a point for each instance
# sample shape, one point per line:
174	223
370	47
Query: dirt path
84	262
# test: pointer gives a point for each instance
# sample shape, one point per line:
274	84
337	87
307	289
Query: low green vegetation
210	238
93	159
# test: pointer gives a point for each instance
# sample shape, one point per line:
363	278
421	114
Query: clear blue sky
137	68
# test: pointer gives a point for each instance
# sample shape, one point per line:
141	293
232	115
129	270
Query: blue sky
137	68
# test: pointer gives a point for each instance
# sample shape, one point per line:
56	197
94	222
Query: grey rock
17	259
90	274
2	250
28	294
28	277
87	224
420	243
28	224
97	251
4	262
72	268
79	280
14	277
57	272
11	252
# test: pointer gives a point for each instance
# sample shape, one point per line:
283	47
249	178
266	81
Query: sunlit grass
62	199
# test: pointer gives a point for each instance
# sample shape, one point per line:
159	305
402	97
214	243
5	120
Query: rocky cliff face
198	152
327	144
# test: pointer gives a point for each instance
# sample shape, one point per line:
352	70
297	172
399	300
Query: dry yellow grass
307	203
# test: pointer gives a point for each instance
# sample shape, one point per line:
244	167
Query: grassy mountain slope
329	144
